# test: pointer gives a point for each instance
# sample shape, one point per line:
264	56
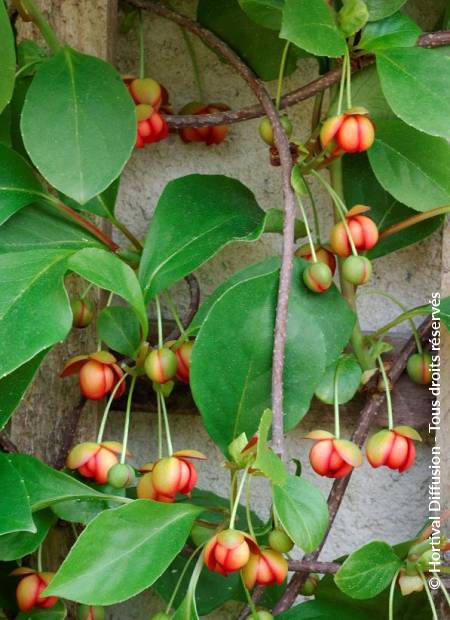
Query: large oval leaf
320	610
34	308
15	510
118	326
382	8
347	372
398	30
266	13
310	25
8	56
412	166
196	215
302	511
123	551
368	570
17	545
89	122
416	84
232	356
18	184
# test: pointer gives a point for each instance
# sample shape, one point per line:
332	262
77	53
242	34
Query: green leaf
398	30
416	84
302	511
39	226
102	204
8	56
17	545
378	9
57	612
45	485
310	25
368	570
259	47
18	185
5	126
410	165
319	610
352	17
81	510
109	272
195	217
233	388
15	511
29	51
267	461
348	373
266	13
34	309
118	326
123	551
14	386
89	121
445	312
362	187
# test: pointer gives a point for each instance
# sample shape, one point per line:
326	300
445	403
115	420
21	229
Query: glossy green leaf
266	460
5	126
15	511
81	510
18	184
348	374
57	612
29	52
368	570
102	204
398	30
118	326
8	56
195	217
352	17
310	25
362	187
109	272
402	162
17	545
123	551
14	386
319	610
16	105
90	131
266	13
445	312
39	226
46	485
416	84
378	9
34	308
231	390
259	47
302	511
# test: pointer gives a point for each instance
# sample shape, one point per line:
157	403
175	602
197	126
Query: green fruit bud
93	612
266	130
310	586
318	277
161	615
121	476
161	365
419	368
357	270
262	614
82	311
280	541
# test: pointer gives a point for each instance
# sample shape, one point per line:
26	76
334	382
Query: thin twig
323	568
282	144
368	415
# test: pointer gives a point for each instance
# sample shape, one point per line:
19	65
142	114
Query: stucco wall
378	504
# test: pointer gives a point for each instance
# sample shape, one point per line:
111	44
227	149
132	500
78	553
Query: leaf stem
405	316
39	558
342	84
349	79
195	65
127	420
166	424
281	75
238	496
391	595
128	234
42	24
387	388
174	312
159	319
101	430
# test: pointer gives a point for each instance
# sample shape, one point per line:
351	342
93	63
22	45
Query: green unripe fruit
200	534
262	614
280	541
419	368
266	130
310	586
93	612
318	277
82	312
161	365
161	615
357	270
121	476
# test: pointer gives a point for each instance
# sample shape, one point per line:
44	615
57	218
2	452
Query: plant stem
180	579
391	595
101	430
127	420
39	558
387	388
315	212
174	312
42	24
406	316
281	75
250	602
349	79
342	84
166	424
374	291
337	430
86	290
429	596
195	65
160	422
415	219
238	495
141	47
128	234
159	319
444	592
248	513
308	231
